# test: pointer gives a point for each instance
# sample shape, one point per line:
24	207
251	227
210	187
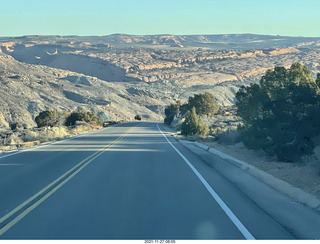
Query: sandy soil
305	175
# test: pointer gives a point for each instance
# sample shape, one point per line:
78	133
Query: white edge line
52	143
224	207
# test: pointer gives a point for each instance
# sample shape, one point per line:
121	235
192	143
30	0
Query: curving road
129	181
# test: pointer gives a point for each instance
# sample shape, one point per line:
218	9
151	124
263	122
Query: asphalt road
123	182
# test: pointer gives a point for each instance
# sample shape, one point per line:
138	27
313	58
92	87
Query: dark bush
89	117
171	111
230	137
281	114
47	118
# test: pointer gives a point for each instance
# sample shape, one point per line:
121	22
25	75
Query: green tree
47	118
318	80
193	124
205	104
171	111
89	117
137	117
281	114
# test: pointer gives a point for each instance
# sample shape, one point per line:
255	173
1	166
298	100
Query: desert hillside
27	89
119	76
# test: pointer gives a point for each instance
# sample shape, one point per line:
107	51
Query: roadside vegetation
190	113
51	125
53	118
193	124
82	116
280	115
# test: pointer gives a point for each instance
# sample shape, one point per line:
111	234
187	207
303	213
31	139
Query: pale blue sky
103	17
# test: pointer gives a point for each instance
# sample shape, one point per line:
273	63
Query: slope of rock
123	75
26	90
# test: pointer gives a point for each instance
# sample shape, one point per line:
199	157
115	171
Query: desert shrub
80	129
89	117
137	117
193	124
51	133
47	118
29	136
281	114
14	125
30	144
229	137
14	139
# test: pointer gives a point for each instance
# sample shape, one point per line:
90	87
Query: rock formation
124	75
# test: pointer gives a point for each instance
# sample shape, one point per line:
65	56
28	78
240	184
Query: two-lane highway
124	182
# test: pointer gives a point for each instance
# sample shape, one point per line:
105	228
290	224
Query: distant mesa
278	51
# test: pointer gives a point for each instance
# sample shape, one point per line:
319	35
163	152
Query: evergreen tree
193	124
318	80
171	111
205	104
280	114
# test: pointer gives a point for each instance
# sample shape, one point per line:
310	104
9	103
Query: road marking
52	143
34	201
224	207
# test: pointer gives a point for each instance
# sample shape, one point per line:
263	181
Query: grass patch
30	144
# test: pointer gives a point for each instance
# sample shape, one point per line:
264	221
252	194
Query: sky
147	17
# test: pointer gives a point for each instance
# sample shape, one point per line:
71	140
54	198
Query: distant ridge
213	41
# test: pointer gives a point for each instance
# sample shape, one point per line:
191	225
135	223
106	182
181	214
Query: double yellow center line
14	216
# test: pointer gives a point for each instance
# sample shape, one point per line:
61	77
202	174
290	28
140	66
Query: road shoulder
278	198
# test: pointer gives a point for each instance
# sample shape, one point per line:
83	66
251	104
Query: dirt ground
304	175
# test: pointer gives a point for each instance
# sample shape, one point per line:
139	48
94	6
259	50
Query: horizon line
163	34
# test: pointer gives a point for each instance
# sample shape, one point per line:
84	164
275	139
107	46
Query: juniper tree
281	114
193	124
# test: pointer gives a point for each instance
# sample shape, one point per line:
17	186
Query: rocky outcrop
7	46
278	51
124	75
26	90
76	79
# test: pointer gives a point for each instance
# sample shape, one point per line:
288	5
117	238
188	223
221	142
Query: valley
119	76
